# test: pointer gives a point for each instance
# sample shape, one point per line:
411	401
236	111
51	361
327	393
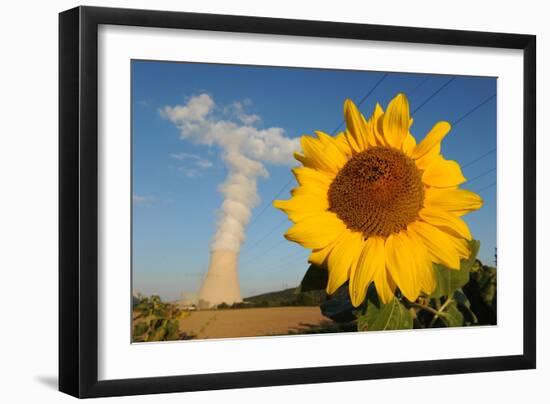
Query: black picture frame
78	201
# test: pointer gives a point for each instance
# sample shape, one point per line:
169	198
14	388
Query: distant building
221	284
188	301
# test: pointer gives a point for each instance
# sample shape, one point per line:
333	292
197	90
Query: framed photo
251	202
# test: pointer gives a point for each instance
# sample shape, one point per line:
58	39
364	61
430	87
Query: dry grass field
252	322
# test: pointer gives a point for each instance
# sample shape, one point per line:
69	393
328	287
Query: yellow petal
377	119
371	261
350	139
396	121
319	256
307	176
322	156
446	221
316	231
385	285
341	142
319	191
334	147
424	265
301	206
342	260
357	125
312	156
443	173
457	201
323	137
442	247
409	144
401	264
429	158
302	159
433	138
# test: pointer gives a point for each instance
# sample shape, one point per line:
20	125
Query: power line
267	205
286	262
473	109
481	175
479	158
485	188
264	252
419	85
377	84
255	219
434	94
468	113
285	220
363	99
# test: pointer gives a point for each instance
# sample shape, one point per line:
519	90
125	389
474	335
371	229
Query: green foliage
155	320
452	316
486	280
379	317
338	307
449	280
316	278
462	297
465	307
141	328
481	293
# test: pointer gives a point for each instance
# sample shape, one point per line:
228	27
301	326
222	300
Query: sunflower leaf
449	280
338	306
465	307
379	316
452	316
316	278
481	292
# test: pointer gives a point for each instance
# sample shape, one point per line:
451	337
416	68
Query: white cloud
237	109
195	110
146	102
203	163
245	150
190	172
196	122
195	159
143	200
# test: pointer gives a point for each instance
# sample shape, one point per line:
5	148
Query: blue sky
175	181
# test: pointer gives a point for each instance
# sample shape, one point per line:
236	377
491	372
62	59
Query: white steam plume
245	150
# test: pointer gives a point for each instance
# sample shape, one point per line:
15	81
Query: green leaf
474	245
158	330
449	280
487	281
379	317
452	316
140	328
465	307
316	278
481	292
172	330
476	266
338	306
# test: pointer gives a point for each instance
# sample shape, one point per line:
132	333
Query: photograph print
279	201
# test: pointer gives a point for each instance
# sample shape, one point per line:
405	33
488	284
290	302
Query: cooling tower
221	284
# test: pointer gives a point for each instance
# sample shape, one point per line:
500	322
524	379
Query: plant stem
440	311
424	307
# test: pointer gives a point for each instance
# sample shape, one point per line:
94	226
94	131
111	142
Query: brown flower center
377	192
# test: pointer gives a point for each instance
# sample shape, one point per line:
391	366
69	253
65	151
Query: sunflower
376	207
